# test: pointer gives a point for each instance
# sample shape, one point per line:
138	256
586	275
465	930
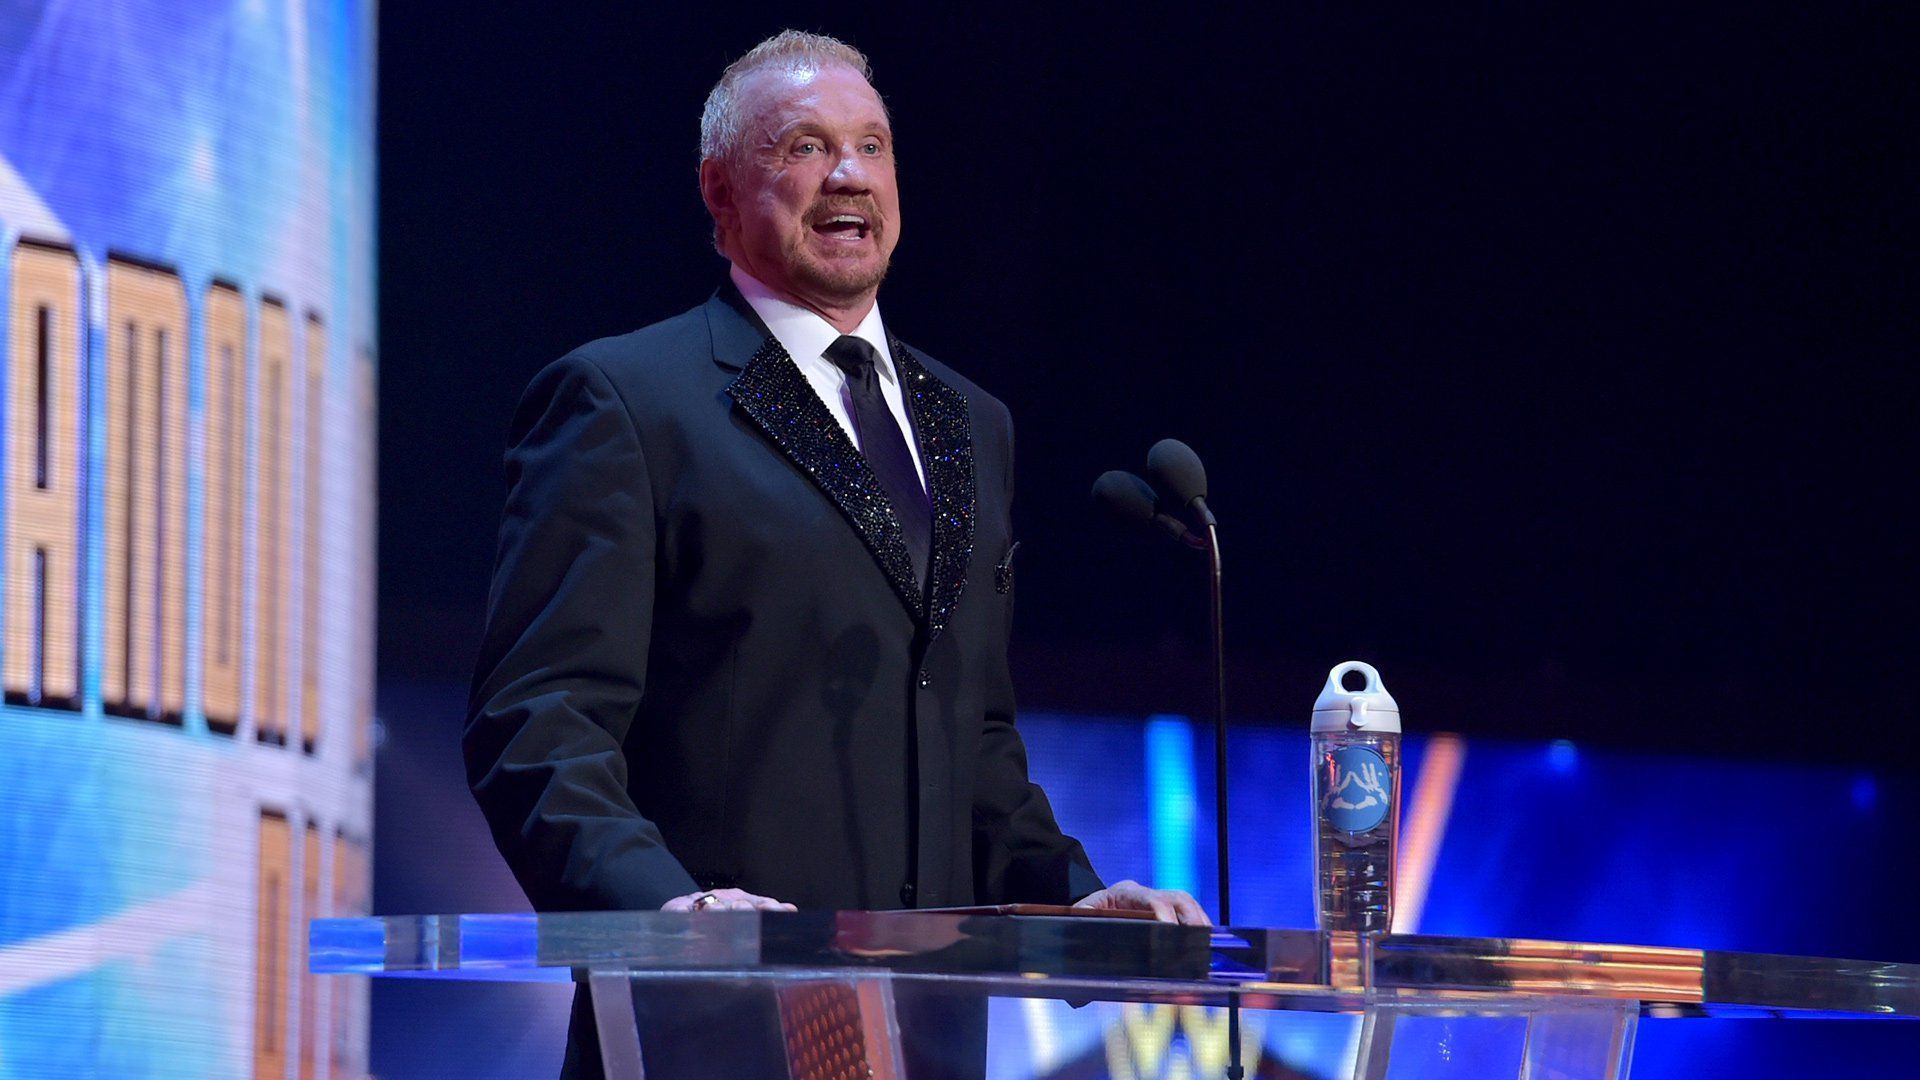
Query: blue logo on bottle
1357	799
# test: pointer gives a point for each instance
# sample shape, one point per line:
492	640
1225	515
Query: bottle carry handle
1336	677
1357	705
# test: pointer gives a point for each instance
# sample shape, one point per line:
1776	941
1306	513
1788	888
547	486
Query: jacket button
926	680
906	894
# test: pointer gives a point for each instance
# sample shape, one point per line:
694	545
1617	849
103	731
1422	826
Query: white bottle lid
1370	708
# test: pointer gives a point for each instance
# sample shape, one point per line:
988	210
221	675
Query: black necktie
886	449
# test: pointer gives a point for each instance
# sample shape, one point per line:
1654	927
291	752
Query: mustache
866	208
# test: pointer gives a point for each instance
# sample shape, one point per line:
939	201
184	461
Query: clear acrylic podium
826	984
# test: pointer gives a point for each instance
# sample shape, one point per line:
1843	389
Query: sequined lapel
945	427
773	393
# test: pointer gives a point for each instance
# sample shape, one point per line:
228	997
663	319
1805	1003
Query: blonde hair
791	50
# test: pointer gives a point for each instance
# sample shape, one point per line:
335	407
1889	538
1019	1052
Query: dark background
1558	363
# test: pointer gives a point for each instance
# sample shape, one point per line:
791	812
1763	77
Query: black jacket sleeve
563	662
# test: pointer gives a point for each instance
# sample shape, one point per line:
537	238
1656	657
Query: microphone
1130	499
1181	480
1175	473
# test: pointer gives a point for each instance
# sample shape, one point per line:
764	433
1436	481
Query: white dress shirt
805	336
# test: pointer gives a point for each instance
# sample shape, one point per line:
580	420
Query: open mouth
843	227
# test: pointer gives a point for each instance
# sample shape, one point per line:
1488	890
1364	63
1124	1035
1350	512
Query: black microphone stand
1235	1071
1179	480
1219	723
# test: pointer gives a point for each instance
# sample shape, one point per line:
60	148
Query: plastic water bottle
1356	801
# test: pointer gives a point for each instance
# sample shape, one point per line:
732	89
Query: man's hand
725	900
1167	905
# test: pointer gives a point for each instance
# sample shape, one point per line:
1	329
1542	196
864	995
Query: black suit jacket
706	661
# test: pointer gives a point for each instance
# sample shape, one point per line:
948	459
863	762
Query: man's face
810	200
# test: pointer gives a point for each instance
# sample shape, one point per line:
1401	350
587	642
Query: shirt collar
802	332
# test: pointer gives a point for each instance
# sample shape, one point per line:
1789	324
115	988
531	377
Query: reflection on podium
1429	1005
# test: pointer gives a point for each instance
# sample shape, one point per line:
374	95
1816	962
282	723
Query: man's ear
716	189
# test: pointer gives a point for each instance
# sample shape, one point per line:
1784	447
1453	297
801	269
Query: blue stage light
1170	795
1866	792
1563	757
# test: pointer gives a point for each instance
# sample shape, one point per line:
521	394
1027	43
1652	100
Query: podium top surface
1112	959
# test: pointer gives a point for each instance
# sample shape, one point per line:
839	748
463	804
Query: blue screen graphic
186	544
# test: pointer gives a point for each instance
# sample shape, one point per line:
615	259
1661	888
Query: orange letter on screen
312	516
223	537
271	510
272	946
146	496
310	893
43	451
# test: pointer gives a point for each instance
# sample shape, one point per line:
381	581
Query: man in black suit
747	636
